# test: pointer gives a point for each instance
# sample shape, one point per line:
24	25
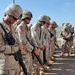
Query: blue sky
59	10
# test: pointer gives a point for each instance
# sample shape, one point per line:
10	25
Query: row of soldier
37	39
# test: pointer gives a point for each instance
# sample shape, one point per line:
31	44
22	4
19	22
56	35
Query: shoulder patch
21	29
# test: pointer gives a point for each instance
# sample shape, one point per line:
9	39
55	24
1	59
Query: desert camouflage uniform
52	45
65	34
36	33
24	35
53	38
46	41
13	65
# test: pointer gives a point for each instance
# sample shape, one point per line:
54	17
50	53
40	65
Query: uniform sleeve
48	35
23	40
44	35
2	46
69	35
33	43
35	37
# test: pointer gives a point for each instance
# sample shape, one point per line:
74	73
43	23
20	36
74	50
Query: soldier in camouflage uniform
11	14
24	35
46	40
37	34
65	34
52	30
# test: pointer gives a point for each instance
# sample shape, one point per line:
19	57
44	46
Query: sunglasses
28	18
48	23
43	22
14	18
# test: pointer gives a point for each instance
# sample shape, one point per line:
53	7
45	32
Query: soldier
52	30
71	28
46	38
65	34
24	35
11	14
37	34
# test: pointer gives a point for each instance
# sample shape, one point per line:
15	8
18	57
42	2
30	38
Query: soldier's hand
20	47
64	38
36	51
50	41
43	48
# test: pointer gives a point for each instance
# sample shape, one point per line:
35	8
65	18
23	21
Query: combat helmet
43	18
48	18
66	26
54	23
27	14
13	10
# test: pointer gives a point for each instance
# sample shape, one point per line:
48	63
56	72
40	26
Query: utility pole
13	1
